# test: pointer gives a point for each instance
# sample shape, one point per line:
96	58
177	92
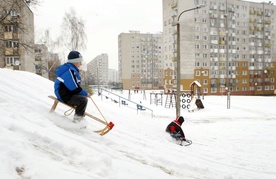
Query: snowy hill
227	143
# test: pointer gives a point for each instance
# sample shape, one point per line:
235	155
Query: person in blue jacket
67	85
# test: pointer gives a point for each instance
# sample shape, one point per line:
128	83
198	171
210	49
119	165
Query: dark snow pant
80	102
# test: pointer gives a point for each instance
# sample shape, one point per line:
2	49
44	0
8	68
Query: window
197	46
205	46
11	60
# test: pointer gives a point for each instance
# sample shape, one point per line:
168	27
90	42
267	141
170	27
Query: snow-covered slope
227	143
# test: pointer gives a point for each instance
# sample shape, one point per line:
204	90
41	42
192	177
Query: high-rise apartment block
113	76
16	36
226	45
140	60
97	70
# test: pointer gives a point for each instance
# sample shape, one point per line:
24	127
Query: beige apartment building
97	70
226	45
16	36
140	60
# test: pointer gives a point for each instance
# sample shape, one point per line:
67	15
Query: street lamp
178	58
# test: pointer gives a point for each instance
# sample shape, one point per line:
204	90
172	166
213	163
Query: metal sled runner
108	126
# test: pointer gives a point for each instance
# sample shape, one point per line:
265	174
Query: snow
227	143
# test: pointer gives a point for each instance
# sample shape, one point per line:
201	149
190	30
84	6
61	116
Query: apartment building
113	76
140	60
226	45
41	60
16	36
97	70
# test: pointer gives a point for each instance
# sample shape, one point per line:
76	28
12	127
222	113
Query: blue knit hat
74	56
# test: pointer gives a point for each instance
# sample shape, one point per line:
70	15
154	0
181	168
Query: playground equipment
189	99
156	98
170	100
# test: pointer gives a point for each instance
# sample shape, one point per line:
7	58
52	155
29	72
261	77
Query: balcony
251	28
252	51
214	41
252	20
222	59
221	51
213	7
267	14
12	51
215	59
222	42
259	13
259	52
174	4
259	36
11	36
251	68
213	33
268	60
215	68
214	85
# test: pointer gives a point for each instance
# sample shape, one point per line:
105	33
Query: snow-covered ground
227	143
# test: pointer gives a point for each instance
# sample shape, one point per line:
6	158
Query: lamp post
178	58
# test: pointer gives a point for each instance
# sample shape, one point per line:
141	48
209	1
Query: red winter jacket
175	126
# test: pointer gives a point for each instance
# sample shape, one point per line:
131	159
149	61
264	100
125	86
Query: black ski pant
80	102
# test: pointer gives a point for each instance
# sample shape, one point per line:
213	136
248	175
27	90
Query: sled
105	130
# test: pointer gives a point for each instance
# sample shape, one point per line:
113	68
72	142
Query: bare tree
10	12
73	32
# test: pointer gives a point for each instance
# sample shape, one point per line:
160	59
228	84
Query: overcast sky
104	21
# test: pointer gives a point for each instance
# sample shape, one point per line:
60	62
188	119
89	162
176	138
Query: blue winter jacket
67	83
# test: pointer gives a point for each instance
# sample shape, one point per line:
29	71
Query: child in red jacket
174	128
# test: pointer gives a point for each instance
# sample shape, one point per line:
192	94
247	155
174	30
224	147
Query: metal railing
124	101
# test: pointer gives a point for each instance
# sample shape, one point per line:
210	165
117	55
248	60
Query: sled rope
68	112
99	110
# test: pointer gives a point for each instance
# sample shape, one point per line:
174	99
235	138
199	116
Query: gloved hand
176	135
